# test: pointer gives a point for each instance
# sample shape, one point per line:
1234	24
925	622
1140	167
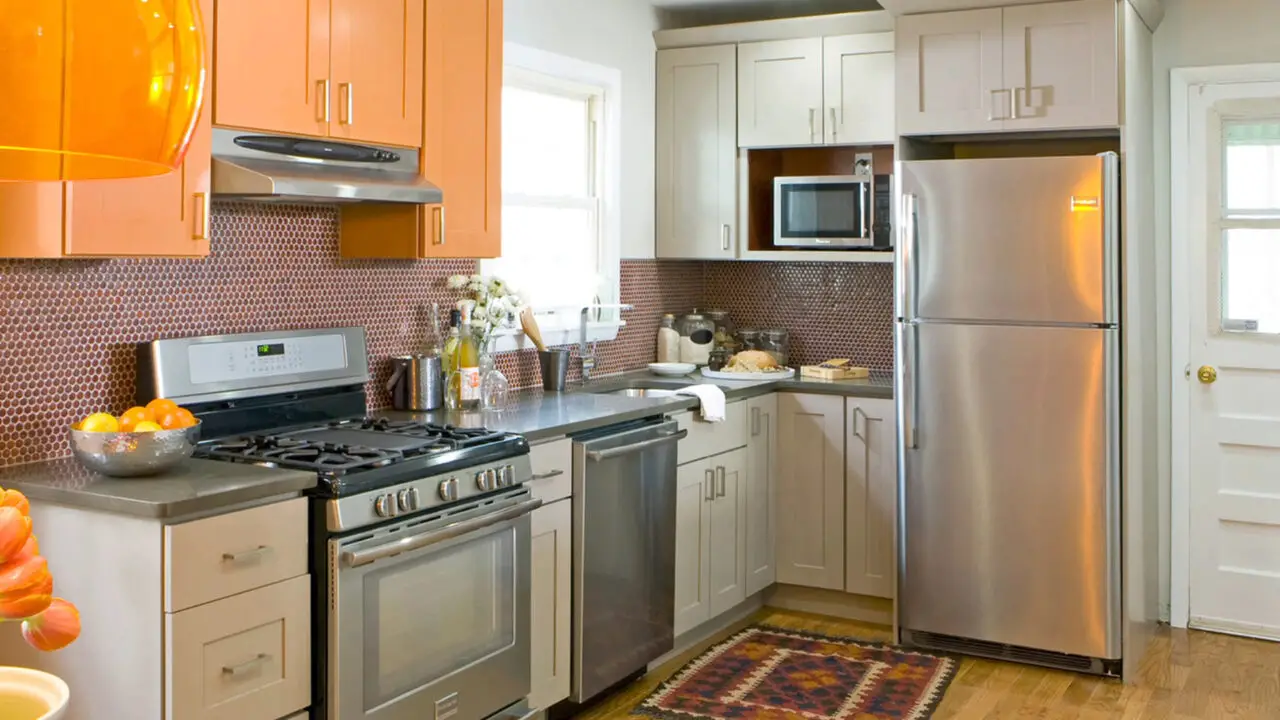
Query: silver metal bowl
133	454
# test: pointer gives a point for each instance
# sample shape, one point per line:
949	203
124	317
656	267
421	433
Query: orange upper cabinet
271	67
346	69
164	215
376	62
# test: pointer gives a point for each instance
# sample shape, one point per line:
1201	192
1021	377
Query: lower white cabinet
761	469
551	603
871	496
711	538
810	491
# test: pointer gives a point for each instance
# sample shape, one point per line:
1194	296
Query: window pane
545	144
1250	293
1252	173
549	254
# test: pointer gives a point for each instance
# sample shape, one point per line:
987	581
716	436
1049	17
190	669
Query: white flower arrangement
492	302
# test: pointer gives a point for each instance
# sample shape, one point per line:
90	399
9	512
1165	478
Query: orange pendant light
97	89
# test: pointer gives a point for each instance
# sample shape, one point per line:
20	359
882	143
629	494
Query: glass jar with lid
697	337
724	337
749	339
776	342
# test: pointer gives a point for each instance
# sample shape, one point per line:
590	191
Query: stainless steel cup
416	383
555	369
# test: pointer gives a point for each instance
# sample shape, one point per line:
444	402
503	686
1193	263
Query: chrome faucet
587	351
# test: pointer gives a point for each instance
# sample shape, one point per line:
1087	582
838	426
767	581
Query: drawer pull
548	475
235	557
245	667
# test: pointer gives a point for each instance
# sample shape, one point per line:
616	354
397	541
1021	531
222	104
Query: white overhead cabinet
697	146
816	91
1052	66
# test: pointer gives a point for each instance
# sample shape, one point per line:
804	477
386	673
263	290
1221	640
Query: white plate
672	369
721	375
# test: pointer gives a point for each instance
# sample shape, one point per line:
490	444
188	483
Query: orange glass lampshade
97	89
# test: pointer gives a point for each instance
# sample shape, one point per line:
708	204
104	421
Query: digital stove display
271	350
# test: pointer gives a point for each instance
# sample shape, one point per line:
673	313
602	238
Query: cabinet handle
834	125
246	666
349	92
324	106
755	421
725	232
720	473
991	112
857	412
202	212
235	557
438	212
813	124
710	493
548	475
1013	103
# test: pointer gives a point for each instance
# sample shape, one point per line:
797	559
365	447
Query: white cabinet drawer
552	470
246	657
228	554
706	439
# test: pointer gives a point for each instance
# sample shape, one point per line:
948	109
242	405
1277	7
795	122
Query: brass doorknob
1207	374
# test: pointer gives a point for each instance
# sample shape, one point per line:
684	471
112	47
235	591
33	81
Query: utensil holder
555	369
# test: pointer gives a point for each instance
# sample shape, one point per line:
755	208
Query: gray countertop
194	488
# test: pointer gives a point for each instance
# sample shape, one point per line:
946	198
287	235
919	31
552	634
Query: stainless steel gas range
420	532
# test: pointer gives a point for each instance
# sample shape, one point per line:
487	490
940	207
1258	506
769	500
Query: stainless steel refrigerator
1008	393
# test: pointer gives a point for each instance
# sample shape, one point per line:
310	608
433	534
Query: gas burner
460	437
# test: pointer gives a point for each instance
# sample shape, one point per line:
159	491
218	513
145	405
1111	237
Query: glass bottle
450	360
668	340
435	348
468	360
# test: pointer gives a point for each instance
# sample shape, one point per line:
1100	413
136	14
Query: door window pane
1252	163
1250	291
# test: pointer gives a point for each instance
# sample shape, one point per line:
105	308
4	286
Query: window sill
511	339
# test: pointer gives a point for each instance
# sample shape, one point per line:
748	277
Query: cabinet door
950	73
164	215
728	538
810	491
463	125
32	226
695	485
780	93
272	65
857	76
377	59
761	470
871	489
696	146
550	608
1060	62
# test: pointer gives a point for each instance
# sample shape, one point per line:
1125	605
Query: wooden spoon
530	326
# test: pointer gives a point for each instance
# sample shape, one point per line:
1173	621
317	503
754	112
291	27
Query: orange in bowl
133	416
161	407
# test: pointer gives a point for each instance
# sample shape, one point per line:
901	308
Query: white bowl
672	369
25	688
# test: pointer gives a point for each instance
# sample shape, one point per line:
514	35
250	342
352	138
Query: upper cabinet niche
344	69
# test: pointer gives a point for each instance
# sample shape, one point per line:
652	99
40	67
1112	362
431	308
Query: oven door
823	212
430	617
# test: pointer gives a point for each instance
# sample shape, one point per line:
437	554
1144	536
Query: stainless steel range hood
280	168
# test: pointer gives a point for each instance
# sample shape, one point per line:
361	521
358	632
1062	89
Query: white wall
1194	33
616	34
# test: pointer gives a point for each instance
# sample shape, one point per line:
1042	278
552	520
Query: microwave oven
833	212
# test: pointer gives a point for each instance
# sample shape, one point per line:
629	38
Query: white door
950	73
1060	63
697	181
762	469
695	484
727	543
1232	428
810	490
780	93
871	496
550	589
857	76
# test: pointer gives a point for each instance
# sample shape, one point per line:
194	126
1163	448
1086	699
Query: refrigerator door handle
910	358
1110	236
907	241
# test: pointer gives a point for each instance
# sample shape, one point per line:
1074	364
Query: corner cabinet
810	491
697	210
165	215
461	147
1051	66
871	497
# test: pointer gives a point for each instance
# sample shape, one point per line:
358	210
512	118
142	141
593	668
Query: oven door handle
599	455
356	558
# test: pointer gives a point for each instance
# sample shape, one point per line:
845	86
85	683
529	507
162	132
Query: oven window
441	612
823	210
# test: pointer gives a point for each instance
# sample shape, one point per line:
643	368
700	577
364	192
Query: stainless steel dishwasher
624	551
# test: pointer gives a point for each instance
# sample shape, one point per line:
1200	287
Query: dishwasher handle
598	455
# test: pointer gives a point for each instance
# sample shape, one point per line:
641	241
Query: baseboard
833	603
714	626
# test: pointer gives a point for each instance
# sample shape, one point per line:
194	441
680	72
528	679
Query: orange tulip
26	588
15	528
55	628
30	550
15	499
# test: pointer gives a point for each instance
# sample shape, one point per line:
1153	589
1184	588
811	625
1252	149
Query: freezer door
1009	486
1018	240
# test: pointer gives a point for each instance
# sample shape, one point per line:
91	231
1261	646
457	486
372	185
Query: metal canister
416	383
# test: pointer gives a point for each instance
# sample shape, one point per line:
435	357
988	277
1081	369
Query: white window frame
533	68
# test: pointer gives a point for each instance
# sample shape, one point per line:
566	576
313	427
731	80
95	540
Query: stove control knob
449	489
402	501
509	475
415	500
385	506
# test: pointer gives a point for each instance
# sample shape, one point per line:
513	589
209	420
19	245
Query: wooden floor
1186	676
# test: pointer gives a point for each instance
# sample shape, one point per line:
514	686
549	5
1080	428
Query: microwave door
832	212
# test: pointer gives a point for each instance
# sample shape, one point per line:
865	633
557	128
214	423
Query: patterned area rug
771	673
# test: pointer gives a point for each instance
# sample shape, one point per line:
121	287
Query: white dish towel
710	398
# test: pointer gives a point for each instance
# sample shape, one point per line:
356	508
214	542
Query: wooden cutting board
838	369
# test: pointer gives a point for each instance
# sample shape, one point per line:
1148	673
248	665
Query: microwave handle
866	209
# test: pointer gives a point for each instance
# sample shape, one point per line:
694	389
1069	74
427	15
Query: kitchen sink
639	388
639	392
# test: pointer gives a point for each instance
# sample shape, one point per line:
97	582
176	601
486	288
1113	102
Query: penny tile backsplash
68	327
